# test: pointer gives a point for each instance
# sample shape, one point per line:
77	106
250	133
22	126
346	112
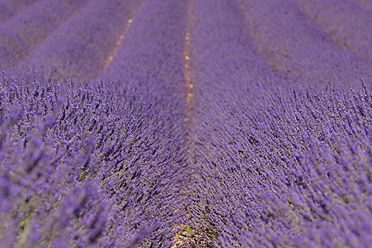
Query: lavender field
193	123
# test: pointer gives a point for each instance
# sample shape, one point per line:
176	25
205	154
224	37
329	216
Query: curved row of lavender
151	54
81	46
291	171
87	165
299	49
107	160
264	161
152	60
10	8
348	24
279	165
227	74
26	31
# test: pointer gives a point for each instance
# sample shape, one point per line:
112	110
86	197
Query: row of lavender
100	164
81	47
152	61
345	22
62	39
301	50
86	164
151	55
291	171
279	164
26	31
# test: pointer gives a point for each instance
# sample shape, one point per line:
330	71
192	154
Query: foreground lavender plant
86	164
